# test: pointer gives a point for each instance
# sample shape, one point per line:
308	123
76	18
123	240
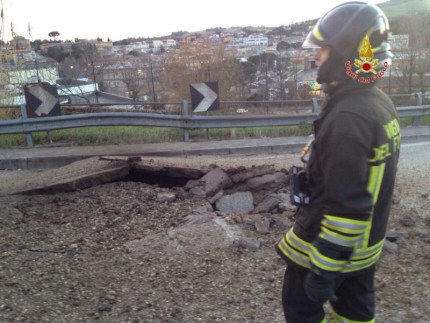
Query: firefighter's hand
318	288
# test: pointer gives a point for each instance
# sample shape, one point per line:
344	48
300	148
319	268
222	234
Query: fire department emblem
366	63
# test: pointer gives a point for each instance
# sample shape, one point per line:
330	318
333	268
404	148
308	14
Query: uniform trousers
354	291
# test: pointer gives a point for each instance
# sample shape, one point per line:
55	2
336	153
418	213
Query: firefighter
338	236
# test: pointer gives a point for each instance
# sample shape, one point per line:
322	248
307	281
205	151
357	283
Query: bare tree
415	26
84	63
132	78
201	62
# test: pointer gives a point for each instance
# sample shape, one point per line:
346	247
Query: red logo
365	64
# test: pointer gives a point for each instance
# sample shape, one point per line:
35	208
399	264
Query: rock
216	197
249	221
391	247
249	244
425	195
269	182
287	206
240	202
427	221
198	192
215	180
259	222
191	184
253	172
406	300
395	200
73	246
10	215
281	221
166	197
393	236
268	204
262	225
407	221
105	307
203	209
234	218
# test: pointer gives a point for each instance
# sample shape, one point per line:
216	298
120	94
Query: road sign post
186	133
204	97
41	101
28	136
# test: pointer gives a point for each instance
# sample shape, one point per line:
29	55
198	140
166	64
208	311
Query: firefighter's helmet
345	27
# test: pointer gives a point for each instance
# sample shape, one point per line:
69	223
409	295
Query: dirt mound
132	251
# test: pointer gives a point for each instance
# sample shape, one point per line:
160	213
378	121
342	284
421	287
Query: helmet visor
309	44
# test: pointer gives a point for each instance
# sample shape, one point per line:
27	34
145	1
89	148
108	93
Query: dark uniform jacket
350	176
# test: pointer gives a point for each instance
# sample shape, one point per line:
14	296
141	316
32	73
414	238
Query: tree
281	70
132	78
84	62
57	53
248	70
36	44
201	62
54	34
280	31
282	45
265	58
417	27
304	91
134	53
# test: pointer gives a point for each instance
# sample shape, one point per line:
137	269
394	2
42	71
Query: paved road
51	156
415	161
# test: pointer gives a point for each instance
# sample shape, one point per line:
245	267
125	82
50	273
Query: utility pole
95	83
153	88
267	82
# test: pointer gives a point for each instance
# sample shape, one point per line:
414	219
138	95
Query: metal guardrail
148	119
186	121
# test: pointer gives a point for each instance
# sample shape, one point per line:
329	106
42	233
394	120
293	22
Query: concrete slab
77	175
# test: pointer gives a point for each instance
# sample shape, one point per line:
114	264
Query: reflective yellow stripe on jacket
341	231
336	318
300	251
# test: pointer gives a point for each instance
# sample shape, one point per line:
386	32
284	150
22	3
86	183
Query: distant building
104	48
398	42
157	44
169	43
257	40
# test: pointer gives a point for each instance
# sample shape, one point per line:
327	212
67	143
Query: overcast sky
150	18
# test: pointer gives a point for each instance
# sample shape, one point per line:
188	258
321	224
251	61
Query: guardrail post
418	101
186	133
28	136
315	108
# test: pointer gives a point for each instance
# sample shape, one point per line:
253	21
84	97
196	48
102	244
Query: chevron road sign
41	100
204	96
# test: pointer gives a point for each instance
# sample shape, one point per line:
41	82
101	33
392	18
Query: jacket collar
334	92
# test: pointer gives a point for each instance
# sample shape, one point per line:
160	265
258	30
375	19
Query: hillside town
254	64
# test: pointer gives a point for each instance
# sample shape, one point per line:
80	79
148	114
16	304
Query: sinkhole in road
163	176
161	180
